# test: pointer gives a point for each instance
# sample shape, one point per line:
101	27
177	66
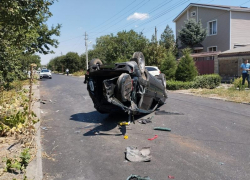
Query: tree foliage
154	54
186	69
169	65
192	33
23	30
167	38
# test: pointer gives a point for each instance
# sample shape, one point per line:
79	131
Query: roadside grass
79	73
230	94
17	144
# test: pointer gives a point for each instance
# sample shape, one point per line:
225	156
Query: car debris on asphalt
134	155
146	121
150	139
162	129
136	177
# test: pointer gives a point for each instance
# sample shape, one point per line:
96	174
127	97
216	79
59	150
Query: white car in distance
45	73
153	70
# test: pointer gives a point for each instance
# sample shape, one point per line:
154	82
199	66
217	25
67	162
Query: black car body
125	87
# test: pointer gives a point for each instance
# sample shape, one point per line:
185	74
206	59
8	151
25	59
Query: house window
212	27
212	49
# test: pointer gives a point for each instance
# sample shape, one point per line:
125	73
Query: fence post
30	93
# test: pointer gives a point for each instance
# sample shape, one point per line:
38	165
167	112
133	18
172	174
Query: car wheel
124	87
94	62
138	57
50	77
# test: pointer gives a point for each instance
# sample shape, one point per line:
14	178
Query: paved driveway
210	141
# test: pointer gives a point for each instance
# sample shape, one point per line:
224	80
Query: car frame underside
123	88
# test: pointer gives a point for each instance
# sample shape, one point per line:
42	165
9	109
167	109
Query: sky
102	17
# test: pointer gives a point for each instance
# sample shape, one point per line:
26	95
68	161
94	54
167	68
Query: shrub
186	69
168	66
79	73
209	81
238	84
176	85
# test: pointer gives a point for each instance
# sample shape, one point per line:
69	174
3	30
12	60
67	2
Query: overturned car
125	86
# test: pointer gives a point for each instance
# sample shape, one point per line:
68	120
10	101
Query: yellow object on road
126	137
124	124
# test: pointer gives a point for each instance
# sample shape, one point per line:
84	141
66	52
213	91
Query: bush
176	85
79	73
205	81
238	84
186	69
209	81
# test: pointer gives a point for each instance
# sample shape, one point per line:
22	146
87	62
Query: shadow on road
102	124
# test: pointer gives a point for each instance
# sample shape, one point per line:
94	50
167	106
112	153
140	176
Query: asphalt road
210	141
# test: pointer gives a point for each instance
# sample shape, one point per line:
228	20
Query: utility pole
155	35
86	44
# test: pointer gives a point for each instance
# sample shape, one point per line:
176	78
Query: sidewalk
34	169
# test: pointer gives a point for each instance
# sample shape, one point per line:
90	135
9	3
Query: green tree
169	65
120	47
167	38
154	53
72	61
192	33
28	59
186	69
23	30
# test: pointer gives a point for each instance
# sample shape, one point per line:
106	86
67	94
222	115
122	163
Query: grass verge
229	94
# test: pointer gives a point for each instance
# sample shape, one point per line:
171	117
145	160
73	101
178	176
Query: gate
205	65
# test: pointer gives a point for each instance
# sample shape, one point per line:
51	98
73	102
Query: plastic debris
167	113
44	128
221	163
123	123
126	137
145	121
134	155
170	177
136	177
162	129
57	110
150	139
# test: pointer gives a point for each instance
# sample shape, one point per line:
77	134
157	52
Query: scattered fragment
162	129
170	177
42	112
145	121
77	132
57	110
45	128
221	163
167	113
134	155
50	100
136	177
150	139
126	137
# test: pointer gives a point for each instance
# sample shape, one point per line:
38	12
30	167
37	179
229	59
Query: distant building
227	26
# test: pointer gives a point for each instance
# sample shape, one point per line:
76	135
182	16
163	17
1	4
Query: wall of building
222	38
240	23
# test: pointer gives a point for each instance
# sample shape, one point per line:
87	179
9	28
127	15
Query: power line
114	15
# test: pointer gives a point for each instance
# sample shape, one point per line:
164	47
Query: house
227	26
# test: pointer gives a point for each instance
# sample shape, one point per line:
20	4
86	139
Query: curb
34	169
215	98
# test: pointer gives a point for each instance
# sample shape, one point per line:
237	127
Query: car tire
124	88
139	58
95	62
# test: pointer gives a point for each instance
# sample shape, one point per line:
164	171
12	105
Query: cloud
138	16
